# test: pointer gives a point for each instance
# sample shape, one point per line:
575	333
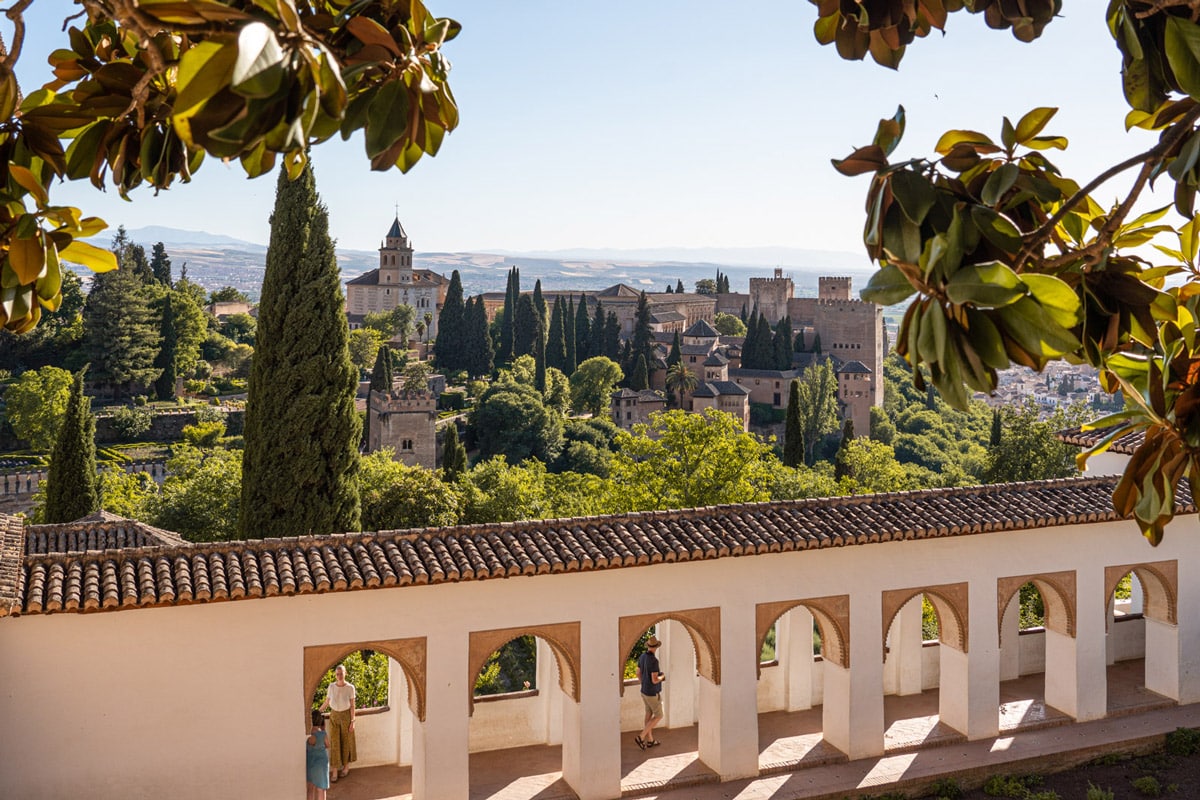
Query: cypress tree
641	375
508	320
71	486
744	317
816	348
539	302
764	348
750	343
643	337
668	290
454	455
597	342
612	337
583	331
679	286
164	385
556	341
799	346
676	354
782	344
569	335
300	463
841	469
793	434
381	373
539	357
479	339
160	265
997	429
525	327
448	348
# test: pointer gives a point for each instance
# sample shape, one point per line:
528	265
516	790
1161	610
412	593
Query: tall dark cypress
448	350
381	373
800	347
781	344
640	380
764	345
750	343
793	433
612	337
676	354
164	384
71	486
597	341
539	356
539	303
454	455
679	286
583	332
479	339
160	264
643	337
300	465
510	310
556	338
525	327
997	432
569	336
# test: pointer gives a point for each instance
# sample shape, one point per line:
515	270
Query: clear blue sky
660	123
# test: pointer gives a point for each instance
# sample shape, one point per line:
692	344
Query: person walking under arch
651	679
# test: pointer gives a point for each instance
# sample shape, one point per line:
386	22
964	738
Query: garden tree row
767	348
1008	260
464	341
142	92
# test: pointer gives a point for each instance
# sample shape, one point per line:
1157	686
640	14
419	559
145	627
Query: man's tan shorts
653	703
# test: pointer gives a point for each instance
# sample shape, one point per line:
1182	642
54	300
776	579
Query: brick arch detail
833	618
408	653
1058	596
702	624
1160	583
949	601
563	639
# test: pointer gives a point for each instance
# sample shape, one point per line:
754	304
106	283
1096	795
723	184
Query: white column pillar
905	646
398	700
794	648
728	734
852	712
1110	636
1162	658
1076	679
591	742
677	660
550	695
1188	618
969	687
1010	640
440	743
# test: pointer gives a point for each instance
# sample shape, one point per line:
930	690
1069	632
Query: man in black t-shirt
651	680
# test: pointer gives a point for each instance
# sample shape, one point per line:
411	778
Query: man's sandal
640	742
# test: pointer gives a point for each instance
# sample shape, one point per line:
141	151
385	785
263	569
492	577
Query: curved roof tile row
174	574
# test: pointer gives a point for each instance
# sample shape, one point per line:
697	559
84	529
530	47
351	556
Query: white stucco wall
160	702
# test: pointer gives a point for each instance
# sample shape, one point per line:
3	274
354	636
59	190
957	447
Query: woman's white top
341	698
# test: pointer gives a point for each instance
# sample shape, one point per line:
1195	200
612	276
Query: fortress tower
407	423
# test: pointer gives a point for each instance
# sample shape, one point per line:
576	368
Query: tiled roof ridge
217	571
12	552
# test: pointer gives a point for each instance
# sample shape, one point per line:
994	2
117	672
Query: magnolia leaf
90	256
1056	297
1036	331
887	286
999	183
914	193
27	257
1181	43
979	142
368	31
27	181
258	70
1032	123
387	117
988	285
204	70
1047	143
889	131
996	228
865	159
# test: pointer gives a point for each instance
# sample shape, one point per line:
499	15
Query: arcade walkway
795	763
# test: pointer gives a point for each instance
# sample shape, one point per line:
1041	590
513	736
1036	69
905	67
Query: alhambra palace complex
850	332
141	666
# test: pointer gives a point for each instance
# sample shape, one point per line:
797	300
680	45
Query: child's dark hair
318	719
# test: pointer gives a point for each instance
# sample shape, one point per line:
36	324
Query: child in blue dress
317	752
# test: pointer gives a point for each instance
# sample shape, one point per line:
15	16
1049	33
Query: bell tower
395	257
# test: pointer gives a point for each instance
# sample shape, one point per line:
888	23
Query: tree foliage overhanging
142	92
1013	262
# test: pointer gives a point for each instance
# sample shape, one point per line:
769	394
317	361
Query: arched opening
1036	614
521	678
1142	643
388	677
690	659
796	641
925	638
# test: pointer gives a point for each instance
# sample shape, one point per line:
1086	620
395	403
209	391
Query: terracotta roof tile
49	580
1124	445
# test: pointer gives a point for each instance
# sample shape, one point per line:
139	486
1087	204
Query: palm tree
681	379
428	319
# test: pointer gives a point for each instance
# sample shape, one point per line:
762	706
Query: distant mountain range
215	260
